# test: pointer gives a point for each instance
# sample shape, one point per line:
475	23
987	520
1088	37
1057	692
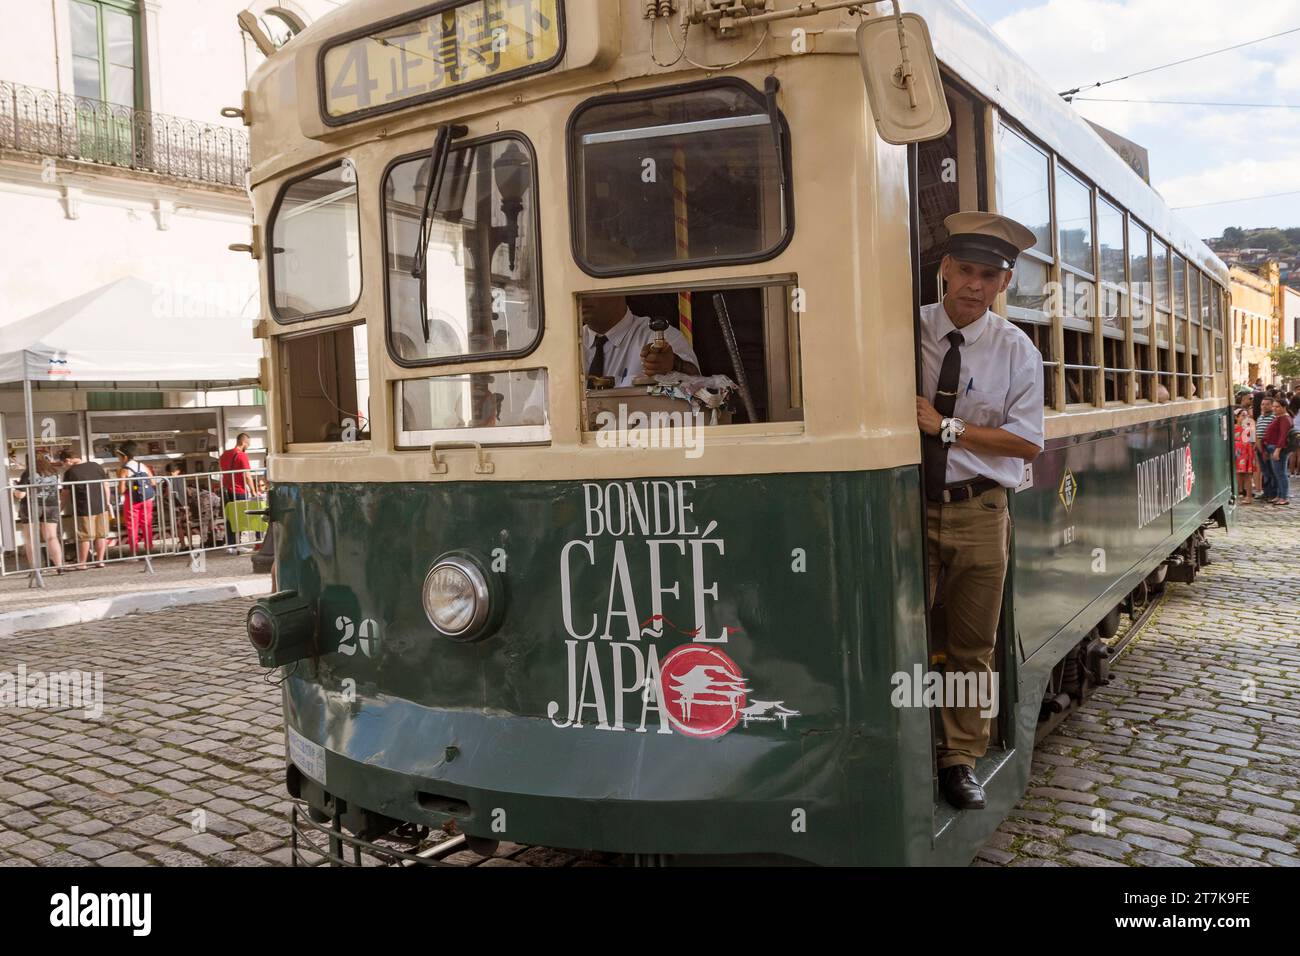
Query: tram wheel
1108	626
1155	581
1139	598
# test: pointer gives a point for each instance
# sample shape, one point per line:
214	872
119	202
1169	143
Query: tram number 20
364	635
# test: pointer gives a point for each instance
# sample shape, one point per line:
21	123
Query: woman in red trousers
136	493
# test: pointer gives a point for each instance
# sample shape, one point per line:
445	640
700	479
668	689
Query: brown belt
966	490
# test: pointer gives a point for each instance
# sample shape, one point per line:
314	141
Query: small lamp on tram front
282	628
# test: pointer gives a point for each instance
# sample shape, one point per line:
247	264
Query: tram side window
494	407
1165	390
737	353
1194	384
1024	194
1139	264
326	394
315	261
677	179
482	289
1219	307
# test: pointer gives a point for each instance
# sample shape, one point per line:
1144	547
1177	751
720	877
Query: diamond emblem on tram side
1069	490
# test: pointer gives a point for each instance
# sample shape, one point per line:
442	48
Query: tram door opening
327	385
952	177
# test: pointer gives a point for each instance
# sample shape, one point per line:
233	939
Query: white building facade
116	163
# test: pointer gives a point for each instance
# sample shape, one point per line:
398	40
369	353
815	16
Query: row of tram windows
660	182
1119	315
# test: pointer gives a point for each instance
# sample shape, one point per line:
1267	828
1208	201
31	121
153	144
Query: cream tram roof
964	44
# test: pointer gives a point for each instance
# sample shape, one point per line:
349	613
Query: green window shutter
106	51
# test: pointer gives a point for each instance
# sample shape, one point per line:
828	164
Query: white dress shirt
1001	386
623	348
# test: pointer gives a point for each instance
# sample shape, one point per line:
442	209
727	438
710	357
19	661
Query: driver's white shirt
624	345
1001	386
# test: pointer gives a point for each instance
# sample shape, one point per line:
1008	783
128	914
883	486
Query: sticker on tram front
307	756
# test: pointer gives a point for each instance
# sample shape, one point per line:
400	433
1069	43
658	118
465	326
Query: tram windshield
483	294
664	180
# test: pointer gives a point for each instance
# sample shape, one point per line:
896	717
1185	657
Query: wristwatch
950	430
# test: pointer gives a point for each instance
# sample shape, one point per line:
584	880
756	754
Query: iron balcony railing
40	121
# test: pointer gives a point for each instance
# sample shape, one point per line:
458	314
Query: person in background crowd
1275	443
38	510
136	493
1264	420
1244	448
212	522
234	467
1256	398
1293	409
178	502
84	484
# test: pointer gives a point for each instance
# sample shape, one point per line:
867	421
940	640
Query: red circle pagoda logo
703	689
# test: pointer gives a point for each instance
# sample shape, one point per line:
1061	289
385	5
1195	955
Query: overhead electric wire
1260	106
1200	56
1244	199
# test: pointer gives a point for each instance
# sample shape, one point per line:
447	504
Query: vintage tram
508	608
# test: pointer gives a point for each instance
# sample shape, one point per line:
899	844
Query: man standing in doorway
234	467
981	419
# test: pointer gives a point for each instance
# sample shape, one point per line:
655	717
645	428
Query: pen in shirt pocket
970	385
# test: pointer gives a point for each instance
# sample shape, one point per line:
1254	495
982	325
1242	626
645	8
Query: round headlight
456	598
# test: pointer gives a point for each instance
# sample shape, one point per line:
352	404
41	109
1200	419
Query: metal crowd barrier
57	524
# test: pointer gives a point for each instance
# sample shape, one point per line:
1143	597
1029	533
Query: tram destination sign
440	51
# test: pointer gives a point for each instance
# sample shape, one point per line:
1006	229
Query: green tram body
443	731
815	572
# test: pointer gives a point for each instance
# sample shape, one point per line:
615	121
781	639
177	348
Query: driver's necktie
934	451
598	360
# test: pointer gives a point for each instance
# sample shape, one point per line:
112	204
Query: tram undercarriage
1086	667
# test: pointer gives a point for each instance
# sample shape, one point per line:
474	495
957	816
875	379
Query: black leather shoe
960	788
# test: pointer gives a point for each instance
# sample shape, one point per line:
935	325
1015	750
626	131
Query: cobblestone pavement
1186	772
1193	751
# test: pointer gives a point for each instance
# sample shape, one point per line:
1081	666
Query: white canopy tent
131	330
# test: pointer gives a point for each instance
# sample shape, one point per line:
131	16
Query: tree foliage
1286	362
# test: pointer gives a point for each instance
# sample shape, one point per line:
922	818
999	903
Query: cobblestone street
1186	770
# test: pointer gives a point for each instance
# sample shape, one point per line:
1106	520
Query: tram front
594	462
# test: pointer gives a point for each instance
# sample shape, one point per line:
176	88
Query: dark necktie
598	360
933	450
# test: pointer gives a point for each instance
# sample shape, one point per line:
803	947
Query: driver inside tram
619	345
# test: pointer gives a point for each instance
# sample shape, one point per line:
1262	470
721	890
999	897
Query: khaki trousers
968	544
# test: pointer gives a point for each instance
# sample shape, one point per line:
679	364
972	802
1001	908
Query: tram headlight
458	599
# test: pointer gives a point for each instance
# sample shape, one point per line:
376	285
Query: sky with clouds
1199	155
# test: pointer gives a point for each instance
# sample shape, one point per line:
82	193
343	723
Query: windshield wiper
437	166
